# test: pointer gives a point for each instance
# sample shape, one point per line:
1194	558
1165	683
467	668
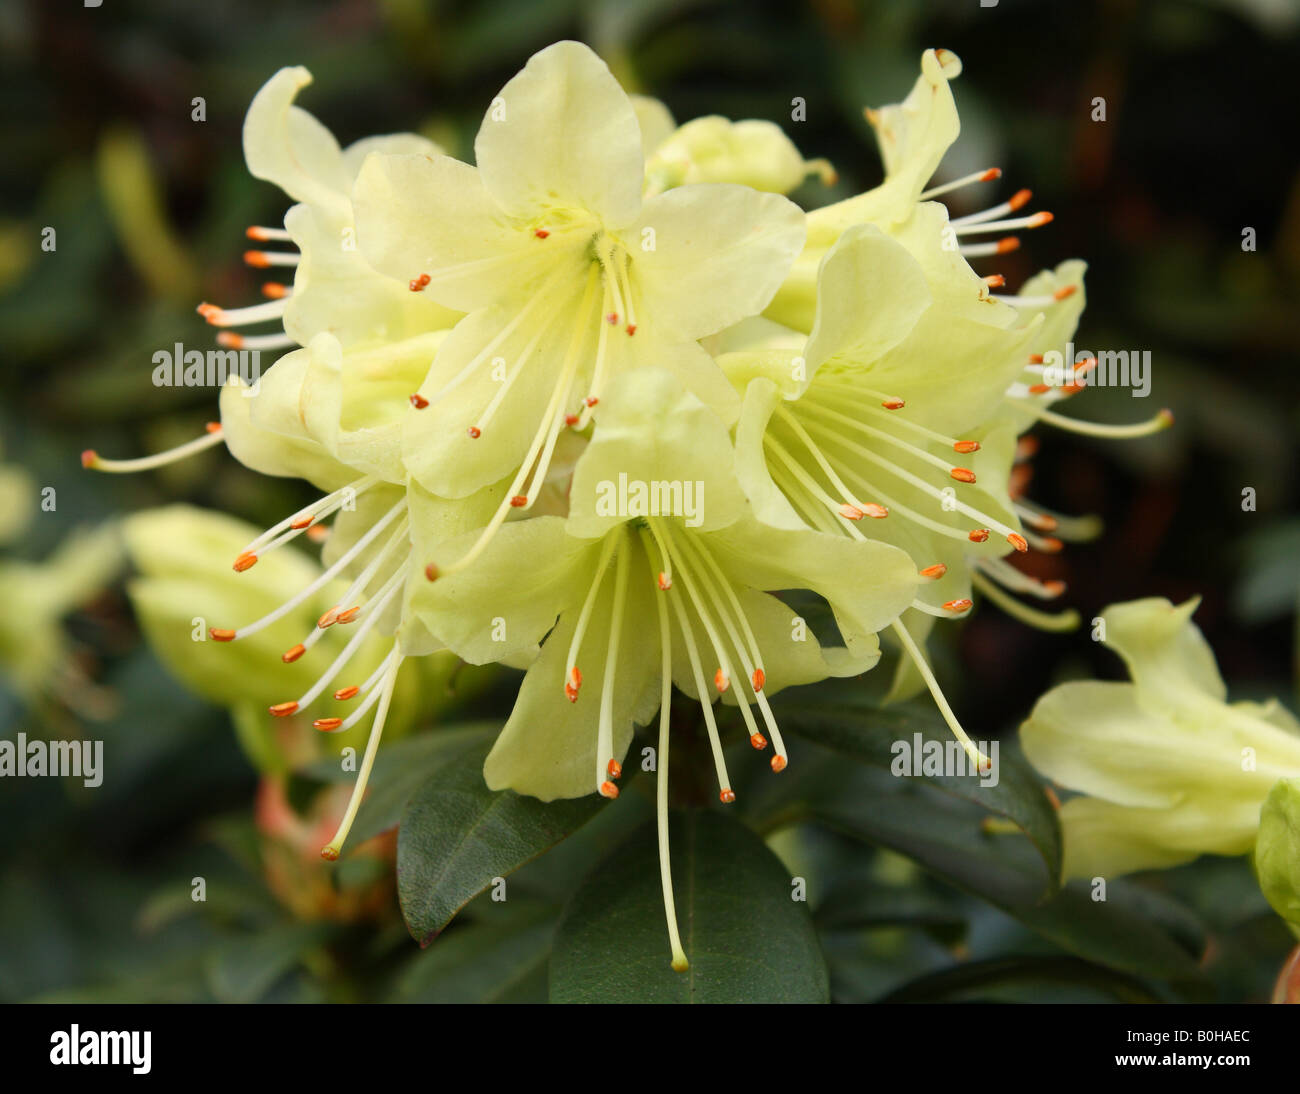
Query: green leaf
485	962
990	980
745	938
868	734
946	837
244	969
457	835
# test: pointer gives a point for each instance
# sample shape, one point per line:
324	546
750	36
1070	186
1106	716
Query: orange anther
273	290
936	571
1008	244
349	615
540	233
431	572
246	561
962	605
283	710
995	281
1035	358
89	458
474	432
893	404
1039	219
210	312
1053	588
293	653
230	340
571	420
301	523
256	258
851	512
778	763
1064	291
726	796
344	694
720	681
418	283
519	501
758	678
612	319
1020	199
665	582
977	535
614	769
758	741
1018	542
991	174
608	789
591	400
419	401
213	427
329	854
329	618
1039	389
965	446
962	474
219	634
327	723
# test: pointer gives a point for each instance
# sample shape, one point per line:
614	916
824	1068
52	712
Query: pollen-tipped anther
965	446
1018	542
344	694
978	535
220	634
720	681
419	401
962	474
293	653
246	561
608	789
327	724
758	678
958	606
758	741
726	795
614	769
934	572
778	763
283	710
573	684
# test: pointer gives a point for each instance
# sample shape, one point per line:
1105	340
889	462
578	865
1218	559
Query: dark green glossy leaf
869	734
457	835
981	980
745	938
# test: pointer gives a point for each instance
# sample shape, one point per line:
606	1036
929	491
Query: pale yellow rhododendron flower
569	276
1165	767
666	590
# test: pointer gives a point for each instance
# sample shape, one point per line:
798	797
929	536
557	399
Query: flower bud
1277	849
750	153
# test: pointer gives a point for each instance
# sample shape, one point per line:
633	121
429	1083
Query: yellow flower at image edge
1165	768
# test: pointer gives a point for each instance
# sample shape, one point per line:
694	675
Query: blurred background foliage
149	207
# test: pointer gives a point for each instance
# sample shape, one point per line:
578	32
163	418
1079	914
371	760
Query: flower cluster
584	406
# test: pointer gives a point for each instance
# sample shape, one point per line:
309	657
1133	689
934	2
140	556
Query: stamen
987	175
605	730
262	235
362	543
273	290
262	259
92	460
982	762
1067	620
934	572
331	850
238	317
1155	424
984	250
972	228
231	340
573	678
679	962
